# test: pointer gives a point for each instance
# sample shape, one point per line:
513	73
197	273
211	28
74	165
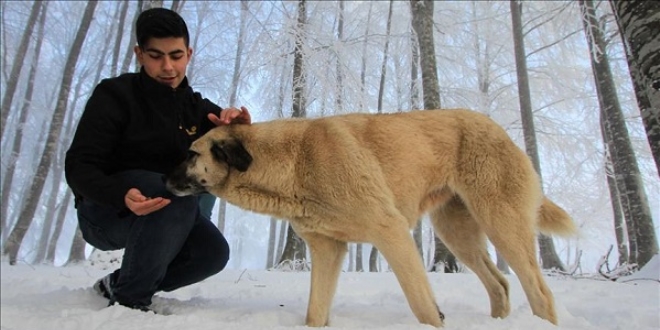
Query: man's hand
231	116
141	205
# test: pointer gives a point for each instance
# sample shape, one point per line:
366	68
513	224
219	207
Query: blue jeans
165	250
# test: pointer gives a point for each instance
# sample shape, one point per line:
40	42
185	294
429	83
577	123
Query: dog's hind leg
462	235
511	230
327	257
397	246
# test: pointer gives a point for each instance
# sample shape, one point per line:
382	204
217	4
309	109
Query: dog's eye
192	154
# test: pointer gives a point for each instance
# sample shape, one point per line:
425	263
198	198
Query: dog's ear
233	153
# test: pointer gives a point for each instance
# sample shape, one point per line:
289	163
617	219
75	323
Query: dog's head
211	159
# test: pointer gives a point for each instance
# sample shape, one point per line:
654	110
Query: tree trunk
120	33
373	259
17	66
59	224
615	199
629	180
549	257
8	177
132	41
77	252
639	26
280	240
383	67
443	258
422	22
295	248
222	215
29	209
338	60
351	257
363	65
272	231
299	99
359	267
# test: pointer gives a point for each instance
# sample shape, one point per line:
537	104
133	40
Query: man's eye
155	57
176	58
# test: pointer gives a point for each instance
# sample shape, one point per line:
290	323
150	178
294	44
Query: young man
135	128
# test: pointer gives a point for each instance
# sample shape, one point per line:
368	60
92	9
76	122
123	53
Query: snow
61	298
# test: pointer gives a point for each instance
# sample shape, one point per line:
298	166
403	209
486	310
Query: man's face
165	59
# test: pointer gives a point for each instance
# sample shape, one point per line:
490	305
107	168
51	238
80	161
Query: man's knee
218	255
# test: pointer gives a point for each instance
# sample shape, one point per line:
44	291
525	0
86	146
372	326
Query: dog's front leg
327	257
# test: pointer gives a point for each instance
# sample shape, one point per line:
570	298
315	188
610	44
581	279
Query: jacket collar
153	87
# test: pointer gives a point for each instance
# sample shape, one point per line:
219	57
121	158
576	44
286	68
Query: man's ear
138	54
233	153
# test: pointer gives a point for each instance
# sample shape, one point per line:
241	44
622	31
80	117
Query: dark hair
160	23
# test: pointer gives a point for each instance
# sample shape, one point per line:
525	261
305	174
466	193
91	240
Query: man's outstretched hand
142	205
231	116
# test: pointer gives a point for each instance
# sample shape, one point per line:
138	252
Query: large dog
369	178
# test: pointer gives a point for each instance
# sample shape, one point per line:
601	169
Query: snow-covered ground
61	298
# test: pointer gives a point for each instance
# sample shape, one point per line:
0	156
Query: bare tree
363	65
17	65
10	168
628	179
549	257
422	22
270	254
383	67
28	211
295	248
233	89
638	24
120	33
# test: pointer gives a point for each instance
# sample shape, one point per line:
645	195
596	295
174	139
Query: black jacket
133	122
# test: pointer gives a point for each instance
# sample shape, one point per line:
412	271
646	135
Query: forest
575	83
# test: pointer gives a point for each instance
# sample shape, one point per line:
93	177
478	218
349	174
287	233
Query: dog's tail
554	220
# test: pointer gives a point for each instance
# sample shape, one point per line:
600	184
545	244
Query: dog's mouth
182	185
184	189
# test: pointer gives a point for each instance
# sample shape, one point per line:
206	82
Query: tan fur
369	178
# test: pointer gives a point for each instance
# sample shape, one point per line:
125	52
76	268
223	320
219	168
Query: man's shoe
104	287
141	308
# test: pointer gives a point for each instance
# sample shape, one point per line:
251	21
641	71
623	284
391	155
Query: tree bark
272	231
29	209
422	22
120	33
295	248
628	177
373	259
10	170
549	257
615	199
383	67
338	60
363	65
639	26
59	224
17	66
